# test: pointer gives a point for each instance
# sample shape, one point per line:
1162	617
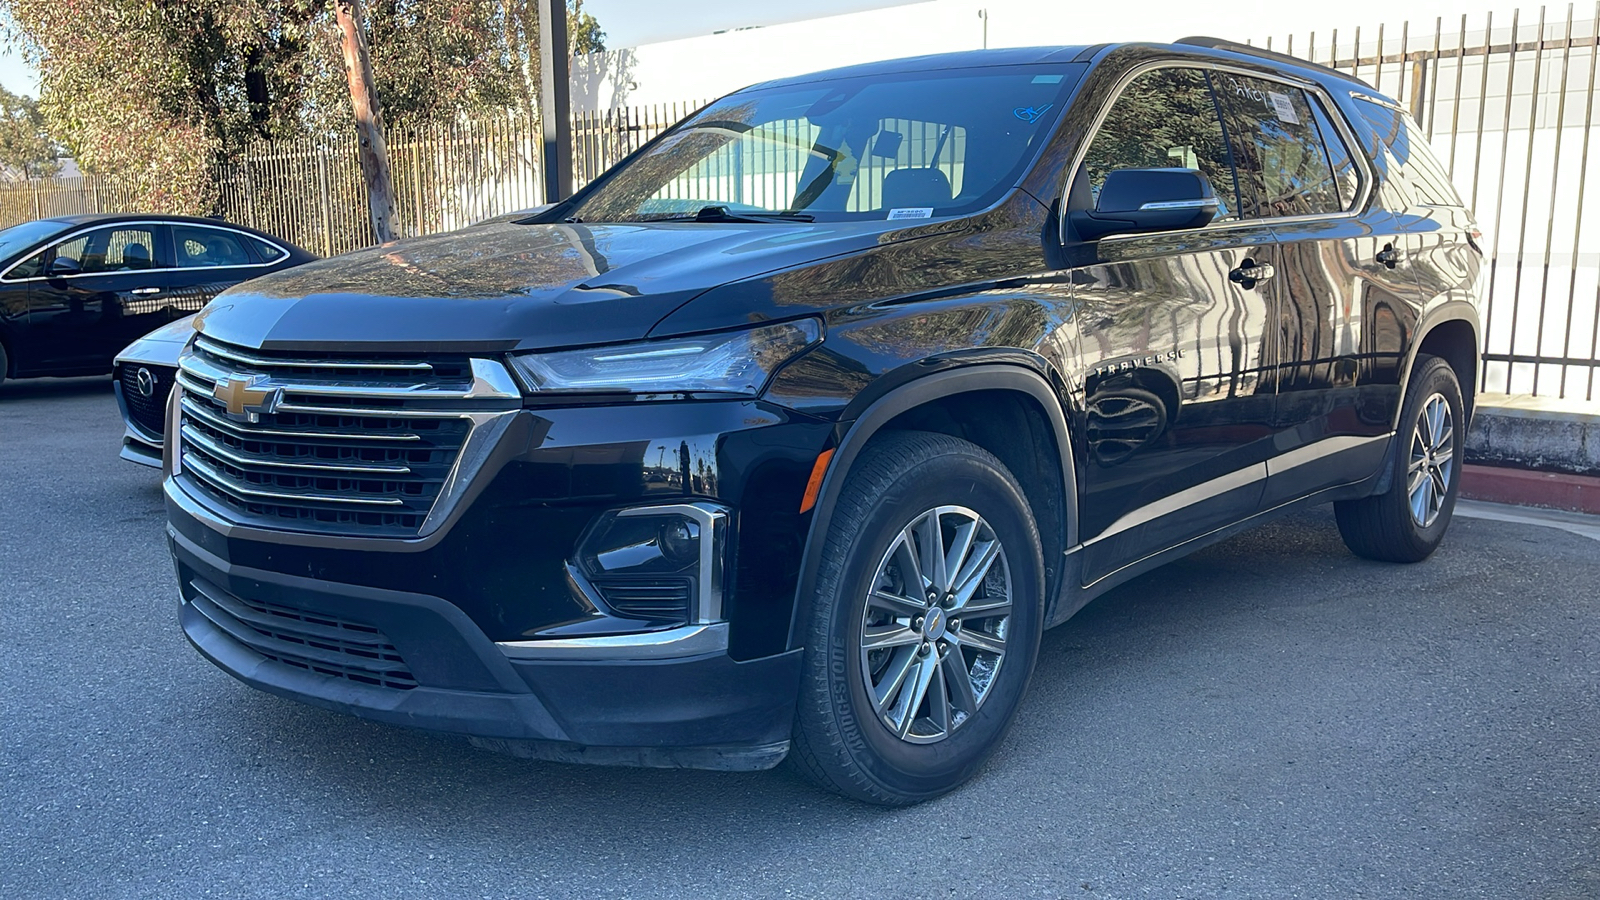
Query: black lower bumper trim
706	711
721	759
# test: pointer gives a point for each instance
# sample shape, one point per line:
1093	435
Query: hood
504	286
161	346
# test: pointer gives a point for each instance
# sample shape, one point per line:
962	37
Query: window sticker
1047	79
1284	107
911	212
1031	114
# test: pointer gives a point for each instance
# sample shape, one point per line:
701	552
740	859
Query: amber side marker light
814	484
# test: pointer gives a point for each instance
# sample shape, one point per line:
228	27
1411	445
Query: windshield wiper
722	214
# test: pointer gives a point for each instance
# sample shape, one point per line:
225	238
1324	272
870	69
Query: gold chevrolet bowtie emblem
243	399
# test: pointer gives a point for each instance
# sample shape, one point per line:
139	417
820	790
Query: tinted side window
199	247
1346	177
32	267
1165	118
1430	183
114	249
265	252
1390	130
1283	166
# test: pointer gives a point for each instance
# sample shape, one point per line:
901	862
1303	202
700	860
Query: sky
629	23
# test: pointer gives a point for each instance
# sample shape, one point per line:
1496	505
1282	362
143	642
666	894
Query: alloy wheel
1432	460
933	632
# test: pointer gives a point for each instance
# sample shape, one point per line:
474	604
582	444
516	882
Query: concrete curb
1550	490
1526	432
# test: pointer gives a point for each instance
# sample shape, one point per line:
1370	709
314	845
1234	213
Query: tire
903	487
1406	523
5	364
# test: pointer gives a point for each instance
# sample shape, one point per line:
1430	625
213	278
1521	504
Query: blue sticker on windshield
1031	114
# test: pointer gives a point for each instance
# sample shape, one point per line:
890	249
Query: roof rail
1248	50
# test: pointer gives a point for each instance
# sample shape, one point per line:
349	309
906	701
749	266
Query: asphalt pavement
1269	718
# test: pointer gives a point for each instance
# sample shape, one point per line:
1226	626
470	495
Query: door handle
145	290
1389	256
1250	272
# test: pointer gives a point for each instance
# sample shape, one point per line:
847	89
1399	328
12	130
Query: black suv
791	433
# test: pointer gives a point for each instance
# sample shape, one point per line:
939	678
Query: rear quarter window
1423	177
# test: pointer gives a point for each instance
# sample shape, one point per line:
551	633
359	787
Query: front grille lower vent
666	598
325	442
320	643
148	412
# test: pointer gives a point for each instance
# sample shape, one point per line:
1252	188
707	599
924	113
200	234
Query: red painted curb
1551	490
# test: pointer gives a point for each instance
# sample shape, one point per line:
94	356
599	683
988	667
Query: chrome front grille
147	412
328	442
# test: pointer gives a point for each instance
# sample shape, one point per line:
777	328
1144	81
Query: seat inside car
915	188
136	256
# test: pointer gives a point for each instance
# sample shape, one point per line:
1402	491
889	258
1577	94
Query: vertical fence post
326	204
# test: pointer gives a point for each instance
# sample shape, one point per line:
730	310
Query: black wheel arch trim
853	435
1431	318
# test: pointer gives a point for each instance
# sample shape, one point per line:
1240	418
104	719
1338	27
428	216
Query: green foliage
26	150
583	31
158	92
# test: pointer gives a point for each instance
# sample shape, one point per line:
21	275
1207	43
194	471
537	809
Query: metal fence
445	177
24	201
601	138
1510	109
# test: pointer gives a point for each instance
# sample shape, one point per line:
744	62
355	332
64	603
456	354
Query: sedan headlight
730	362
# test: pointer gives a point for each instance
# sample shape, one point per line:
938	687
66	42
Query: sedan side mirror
1137	201
62	265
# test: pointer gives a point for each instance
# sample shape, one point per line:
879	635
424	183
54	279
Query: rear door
1178	346
208	259
1343	273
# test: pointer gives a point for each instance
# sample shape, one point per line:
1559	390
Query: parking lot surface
1271	718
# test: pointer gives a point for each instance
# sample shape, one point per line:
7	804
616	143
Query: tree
369	118
158	92
26	150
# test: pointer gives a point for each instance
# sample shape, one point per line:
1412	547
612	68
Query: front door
81	320
1177	341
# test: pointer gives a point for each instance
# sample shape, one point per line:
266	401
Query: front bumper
474	630
138	445
703	710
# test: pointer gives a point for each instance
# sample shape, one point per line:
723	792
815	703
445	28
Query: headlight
730	362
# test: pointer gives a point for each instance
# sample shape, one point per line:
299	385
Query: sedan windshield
904	146
18	237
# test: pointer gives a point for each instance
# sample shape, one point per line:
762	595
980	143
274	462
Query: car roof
1214	48
78	221
966	59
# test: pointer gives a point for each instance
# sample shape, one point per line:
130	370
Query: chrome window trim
1330	109
6	275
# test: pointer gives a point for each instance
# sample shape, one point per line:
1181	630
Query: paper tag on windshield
912	212
1284	107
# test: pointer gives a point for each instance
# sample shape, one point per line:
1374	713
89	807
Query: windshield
27	234
907	146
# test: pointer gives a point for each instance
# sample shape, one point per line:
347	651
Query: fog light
680	540
662	563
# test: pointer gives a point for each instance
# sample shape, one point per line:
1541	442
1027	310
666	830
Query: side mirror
1137	201
62	265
